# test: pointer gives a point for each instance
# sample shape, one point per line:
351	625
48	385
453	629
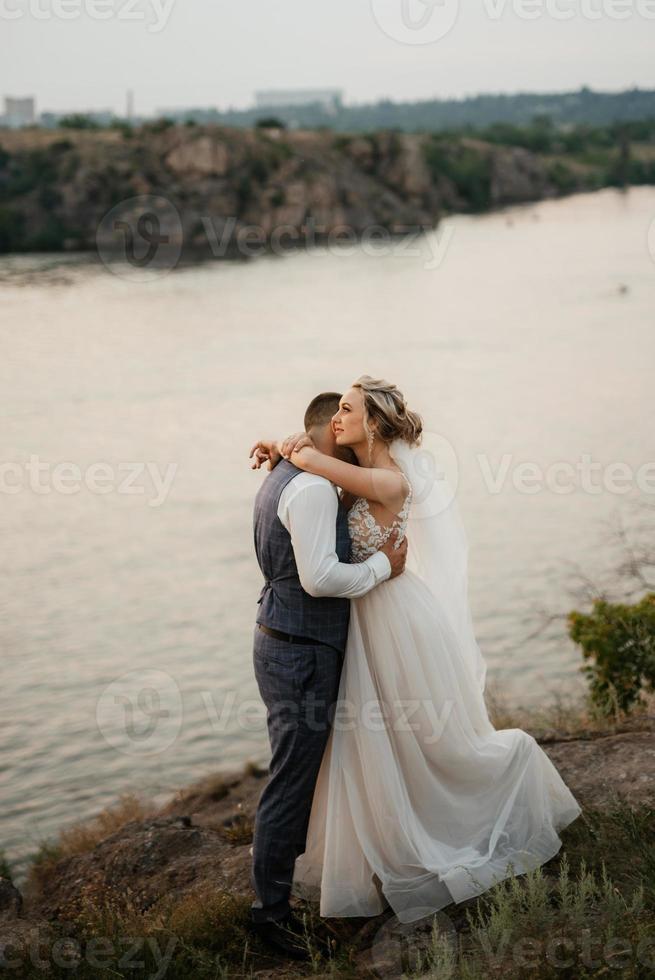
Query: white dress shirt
308	509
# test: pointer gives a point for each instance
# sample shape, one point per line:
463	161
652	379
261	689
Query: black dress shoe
286	935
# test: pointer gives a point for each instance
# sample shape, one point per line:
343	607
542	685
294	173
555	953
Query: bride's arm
374	483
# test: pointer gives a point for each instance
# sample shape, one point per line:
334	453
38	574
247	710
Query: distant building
18	112
329	98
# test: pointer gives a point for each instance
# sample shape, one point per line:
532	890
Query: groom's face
324	438
325	441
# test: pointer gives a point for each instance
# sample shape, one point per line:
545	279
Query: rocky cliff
233	191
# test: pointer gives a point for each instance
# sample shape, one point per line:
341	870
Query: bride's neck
379	457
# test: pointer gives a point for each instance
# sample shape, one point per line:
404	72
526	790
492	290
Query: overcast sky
79	54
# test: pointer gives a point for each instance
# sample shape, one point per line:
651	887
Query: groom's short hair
321	409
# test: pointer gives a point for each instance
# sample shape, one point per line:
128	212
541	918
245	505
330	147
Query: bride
419	801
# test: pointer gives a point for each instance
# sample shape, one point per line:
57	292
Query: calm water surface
126	627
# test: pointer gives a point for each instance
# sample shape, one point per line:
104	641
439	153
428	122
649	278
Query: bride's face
348	421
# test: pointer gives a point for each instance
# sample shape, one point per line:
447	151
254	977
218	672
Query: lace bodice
366	535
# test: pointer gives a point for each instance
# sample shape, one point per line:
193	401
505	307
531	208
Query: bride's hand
296	442
263	450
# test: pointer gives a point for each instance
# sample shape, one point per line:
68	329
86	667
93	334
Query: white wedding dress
419	801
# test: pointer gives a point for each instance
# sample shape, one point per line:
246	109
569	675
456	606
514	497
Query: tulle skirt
420	801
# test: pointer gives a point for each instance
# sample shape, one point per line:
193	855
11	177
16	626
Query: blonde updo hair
385	405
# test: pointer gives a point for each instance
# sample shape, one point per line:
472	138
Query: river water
128	584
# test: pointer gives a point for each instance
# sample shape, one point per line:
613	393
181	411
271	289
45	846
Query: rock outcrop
208	185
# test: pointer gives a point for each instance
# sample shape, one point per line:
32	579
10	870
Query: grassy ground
589	912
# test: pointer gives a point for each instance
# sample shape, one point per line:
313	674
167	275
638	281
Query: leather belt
288	637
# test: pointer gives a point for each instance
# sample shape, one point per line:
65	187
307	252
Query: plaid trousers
299	685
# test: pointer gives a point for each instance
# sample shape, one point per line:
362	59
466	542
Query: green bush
270	122
395	145
641	172
259	170
539	136
619	642
12	225
159	125
123	127
342	142
468	168
49	238
26	172
49	198
5	867
562	177
244	191
78	120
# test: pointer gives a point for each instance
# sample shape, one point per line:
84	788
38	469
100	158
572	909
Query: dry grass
82	837
252	769
216	922
566	716
239	830
201	935
210	789
206	917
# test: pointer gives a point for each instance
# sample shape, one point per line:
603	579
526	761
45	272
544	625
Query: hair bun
385	404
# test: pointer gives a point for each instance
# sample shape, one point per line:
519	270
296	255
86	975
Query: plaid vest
283	603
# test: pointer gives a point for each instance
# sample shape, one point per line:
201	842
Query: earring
371	442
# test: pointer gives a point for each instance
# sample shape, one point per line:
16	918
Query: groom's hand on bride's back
397	556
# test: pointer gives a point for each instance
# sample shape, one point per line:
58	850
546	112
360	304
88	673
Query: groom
302	545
